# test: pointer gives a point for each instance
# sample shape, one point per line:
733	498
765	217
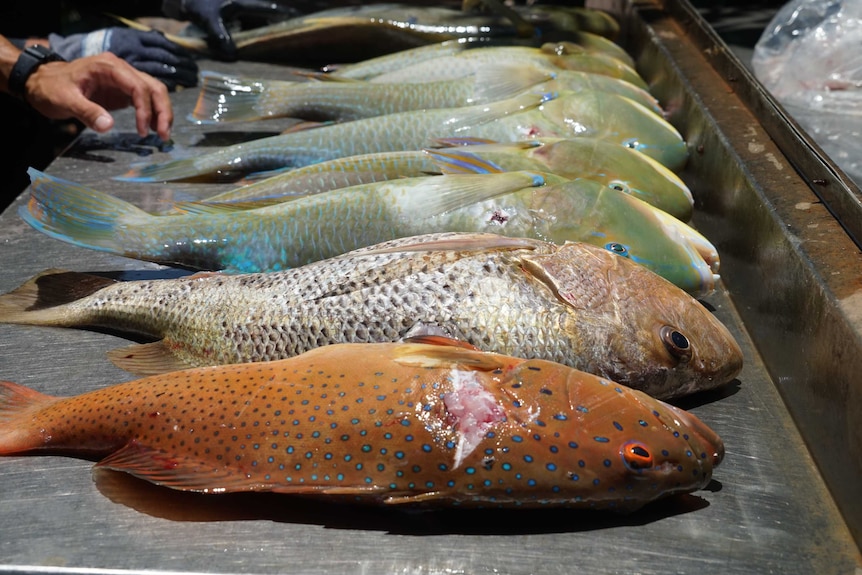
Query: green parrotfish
303	230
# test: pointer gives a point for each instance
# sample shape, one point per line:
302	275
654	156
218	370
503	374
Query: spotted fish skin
576	304
433	424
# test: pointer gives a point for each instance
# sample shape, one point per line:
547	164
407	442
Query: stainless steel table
768	509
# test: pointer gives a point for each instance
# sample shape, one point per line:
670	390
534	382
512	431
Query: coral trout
575	304
395	424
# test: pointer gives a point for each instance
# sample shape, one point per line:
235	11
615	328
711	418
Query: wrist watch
31	58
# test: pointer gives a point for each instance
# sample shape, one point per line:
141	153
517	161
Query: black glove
149	52
211	15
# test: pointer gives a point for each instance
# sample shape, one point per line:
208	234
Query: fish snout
704	441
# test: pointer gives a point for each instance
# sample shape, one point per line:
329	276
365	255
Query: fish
360	32
618	167
413	423
528	116
230	98
290	234
407	424
427	65
575	304
623	169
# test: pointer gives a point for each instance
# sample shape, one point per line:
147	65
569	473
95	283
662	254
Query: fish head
588	211
642	330
618	167
623	122
618	447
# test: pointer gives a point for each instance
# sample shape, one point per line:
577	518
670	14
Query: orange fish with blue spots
429	421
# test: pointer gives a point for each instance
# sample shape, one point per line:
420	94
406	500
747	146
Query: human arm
87	88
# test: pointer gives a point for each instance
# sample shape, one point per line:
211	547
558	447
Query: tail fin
228	99
17	404
39	301
76	214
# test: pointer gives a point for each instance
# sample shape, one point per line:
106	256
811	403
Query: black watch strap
31	58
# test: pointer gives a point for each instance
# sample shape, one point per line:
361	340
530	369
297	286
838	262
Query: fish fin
415	498
441	194
358	490
460	162
152	358
439	354
178	472
77	214
432	339
17	404
494	83
305	125
224	98
219	208
480	114
466	141
465	242
36	301
324	76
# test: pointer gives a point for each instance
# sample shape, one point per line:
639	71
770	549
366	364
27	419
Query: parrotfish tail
227	99
455	161
171	171
76	214
17	405
38	301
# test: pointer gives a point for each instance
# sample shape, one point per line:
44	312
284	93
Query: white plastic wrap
810	58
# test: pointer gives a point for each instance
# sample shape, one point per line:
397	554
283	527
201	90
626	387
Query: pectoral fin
147	359
178	472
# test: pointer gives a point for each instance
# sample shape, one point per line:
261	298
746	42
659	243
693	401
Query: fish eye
618	248
618	186
636	456
631	143
676	343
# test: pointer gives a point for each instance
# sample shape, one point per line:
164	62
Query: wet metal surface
790	278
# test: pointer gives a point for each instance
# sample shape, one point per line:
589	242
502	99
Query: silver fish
574	304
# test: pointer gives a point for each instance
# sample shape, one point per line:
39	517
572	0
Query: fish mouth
702	435
704	256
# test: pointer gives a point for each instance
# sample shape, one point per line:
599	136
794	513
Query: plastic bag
810	58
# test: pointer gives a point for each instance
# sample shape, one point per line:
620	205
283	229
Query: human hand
148	51
211	15
88	87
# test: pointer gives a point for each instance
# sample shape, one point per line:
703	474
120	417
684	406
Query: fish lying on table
226	98
290	234
575	304
551	56
620	168
528	116
395	424
349	33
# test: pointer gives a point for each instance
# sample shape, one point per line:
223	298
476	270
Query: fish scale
393	423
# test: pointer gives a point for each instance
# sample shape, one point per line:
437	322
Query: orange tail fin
17	403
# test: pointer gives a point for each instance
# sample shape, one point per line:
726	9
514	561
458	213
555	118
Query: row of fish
280	381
